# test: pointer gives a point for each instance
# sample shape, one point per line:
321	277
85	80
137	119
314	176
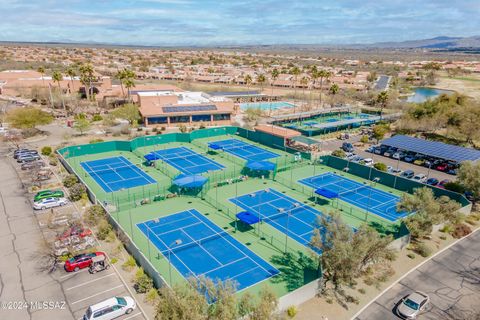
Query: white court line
97	294
84	283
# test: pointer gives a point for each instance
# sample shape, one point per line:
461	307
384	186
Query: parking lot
332	145
451	280
24	284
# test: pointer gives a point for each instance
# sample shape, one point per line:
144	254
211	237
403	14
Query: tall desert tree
71	73
128	112
261	79
334	88
469	177
323	75
248	81
57	77
382	99
304	83
87	76
274	76
28	118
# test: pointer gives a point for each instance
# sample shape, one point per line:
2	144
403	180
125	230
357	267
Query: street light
176	242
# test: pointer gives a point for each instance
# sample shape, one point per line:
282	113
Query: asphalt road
451	279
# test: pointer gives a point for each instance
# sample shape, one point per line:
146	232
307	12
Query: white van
110	308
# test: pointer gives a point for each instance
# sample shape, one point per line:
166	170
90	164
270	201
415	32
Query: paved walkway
451	279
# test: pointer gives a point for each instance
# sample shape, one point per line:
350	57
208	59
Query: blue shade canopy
260	165
432	148
214	146
247	217
190	181
326	193
151	157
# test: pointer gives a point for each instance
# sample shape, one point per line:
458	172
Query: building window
201	118
223	116
179	119
157	120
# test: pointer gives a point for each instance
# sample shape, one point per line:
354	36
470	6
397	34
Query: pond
422	94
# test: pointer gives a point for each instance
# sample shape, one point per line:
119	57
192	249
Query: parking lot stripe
97	294
87	282
72	274
133	316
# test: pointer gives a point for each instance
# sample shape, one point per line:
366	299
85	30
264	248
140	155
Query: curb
410	271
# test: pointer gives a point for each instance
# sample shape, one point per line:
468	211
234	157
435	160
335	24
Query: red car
81	261
442	167
75	231
442	183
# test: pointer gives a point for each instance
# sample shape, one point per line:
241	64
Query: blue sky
209	22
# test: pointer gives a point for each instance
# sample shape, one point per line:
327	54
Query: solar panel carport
432	148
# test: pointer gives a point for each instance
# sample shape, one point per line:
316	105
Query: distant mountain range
433	43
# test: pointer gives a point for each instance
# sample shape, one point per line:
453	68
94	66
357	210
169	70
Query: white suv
49	203
110	308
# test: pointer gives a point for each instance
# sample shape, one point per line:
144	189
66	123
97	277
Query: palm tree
382	99
333	91
129	83
120	75
57	77
248	81
41	70
71	73
261	79
296	72
274	76
304	83
86	77
323	74
314	76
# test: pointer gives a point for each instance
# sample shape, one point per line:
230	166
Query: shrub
292	311
380	166
80	116
364	139
411	256
423	250
52	160
202	126
70	180
76	191
338	153
152	296
362	291
97	117
46	151
94	214
155	129
113	260
163	128
446	228
95	141
455	187
182	128
443	237
142	282
129	264
103	229
461	230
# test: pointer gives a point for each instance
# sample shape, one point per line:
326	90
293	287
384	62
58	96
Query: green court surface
129	207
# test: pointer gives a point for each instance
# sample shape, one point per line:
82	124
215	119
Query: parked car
399	155
370	149
441	167
420	177
419	161
432	181
347	147
32	165
410	306
27	158
368	162
393	170
407	174
356	159
409	158
49	203
48	194
110	309
389	152
442	183
80	261
75	231
19	152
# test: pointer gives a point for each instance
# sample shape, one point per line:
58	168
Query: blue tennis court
187	161
243	150
364	196
285	214
198	247
116	173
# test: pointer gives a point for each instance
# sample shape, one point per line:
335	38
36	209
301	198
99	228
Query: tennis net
92	171
199	242
235	148
353	191
282	212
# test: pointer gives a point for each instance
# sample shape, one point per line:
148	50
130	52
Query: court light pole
176	242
